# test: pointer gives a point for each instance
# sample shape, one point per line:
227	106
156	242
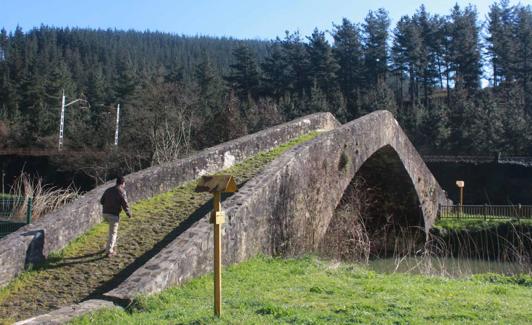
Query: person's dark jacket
114	199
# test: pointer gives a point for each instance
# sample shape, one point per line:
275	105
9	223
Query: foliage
427	72
474	223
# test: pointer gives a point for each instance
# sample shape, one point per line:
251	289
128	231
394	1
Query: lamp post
461	185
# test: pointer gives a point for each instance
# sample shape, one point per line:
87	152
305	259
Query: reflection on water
446	266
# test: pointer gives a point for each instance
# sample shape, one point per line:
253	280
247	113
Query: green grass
474	224
311	291
80	270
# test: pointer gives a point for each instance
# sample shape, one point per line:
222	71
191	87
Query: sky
264	19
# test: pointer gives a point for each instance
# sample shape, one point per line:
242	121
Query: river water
446	266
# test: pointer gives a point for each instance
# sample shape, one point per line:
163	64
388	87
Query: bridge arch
378	210
317	176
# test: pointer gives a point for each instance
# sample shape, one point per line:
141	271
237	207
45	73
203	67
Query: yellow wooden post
216	185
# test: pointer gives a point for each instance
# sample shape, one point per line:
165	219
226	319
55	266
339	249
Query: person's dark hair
120	180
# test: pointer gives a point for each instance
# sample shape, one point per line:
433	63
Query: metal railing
486	211
512	160
15	212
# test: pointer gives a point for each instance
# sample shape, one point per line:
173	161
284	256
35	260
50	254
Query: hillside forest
457	83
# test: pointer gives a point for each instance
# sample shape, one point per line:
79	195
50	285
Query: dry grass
354	234
347	236
45	198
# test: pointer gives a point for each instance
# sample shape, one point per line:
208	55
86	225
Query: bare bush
171	139
45	198
167	121
347	237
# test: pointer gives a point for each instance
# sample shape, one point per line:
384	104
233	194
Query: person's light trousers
113	231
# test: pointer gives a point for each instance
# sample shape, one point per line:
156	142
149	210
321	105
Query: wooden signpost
217	185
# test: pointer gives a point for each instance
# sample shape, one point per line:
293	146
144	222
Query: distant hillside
84	51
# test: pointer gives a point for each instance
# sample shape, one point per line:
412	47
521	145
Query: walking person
113	200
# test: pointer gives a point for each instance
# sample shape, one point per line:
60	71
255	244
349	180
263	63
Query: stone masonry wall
31	244
287	208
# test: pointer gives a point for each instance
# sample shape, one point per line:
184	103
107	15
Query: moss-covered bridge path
81	271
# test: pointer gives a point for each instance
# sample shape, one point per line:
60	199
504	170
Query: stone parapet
31	244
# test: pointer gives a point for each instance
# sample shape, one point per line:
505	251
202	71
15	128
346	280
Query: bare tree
171	139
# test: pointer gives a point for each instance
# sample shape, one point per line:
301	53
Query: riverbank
312	291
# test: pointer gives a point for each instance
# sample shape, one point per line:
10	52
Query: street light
62	119
461	185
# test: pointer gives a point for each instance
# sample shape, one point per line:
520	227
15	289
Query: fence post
29	211
485	211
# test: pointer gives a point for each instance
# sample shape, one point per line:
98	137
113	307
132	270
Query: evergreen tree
429	50
375	29
323	67
276	72
244	77
500	48
406	53
464	51
348	53
209	85
298	62
435	128
523	68
125	81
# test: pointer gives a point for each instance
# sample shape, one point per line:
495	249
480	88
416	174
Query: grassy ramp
81	270
312	291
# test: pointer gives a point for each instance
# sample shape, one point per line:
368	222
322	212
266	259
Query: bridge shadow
197	215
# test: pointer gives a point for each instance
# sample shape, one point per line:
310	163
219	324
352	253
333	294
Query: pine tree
406	53
125	81
501	47
429	50
523	68
464	51
348	53
276	72
244	77
299	63
435	128
209	85
375	29
323	67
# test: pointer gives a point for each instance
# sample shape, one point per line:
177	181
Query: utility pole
62	119
117	123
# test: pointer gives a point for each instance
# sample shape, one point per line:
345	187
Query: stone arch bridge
288	207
